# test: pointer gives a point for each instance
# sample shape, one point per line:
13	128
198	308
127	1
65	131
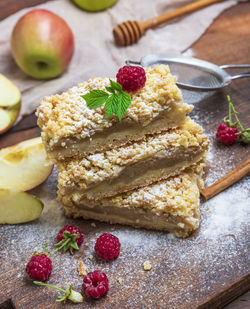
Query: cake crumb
93	224
120	280
81	269
208	208
91	257
147	265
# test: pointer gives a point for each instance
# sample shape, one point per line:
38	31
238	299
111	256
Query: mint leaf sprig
243	134
115	99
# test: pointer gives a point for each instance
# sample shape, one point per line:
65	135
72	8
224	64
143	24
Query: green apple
24	165
10	103
94	5
18	207
42	44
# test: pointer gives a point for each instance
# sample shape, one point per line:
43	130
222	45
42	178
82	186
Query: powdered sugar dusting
180	267
228	211
185	272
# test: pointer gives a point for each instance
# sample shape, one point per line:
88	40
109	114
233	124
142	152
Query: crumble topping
67	114
81	269
147	265
119	280
100	166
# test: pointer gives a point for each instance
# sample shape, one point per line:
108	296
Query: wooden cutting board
207	270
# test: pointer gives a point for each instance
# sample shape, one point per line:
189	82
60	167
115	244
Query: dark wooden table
226	41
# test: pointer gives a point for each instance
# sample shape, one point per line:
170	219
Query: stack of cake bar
144	171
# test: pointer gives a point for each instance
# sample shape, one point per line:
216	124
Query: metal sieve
193	73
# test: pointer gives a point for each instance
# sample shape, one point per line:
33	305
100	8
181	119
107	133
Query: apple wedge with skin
18	207
10	103
24	165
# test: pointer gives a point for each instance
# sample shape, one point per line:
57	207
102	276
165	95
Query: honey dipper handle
154	22
236	174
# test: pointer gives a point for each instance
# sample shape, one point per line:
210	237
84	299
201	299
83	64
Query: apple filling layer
135	165
116	136
70	127
171	205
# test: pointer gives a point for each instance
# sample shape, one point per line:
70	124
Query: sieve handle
237	66
130	62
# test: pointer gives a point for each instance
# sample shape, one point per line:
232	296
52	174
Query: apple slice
9	93
5	119
10	103
18	207
24	166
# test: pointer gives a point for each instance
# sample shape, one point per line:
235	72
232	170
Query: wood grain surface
226	41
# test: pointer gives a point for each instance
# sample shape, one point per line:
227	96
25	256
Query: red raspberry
131	78
39	267
96	284
69	237
107	247
226	134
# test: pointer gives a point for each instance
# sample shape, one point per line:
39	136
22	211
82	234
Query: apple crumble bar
171	205
134	165
70	128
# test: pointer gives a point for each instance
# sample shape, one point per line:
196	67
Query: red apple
42	44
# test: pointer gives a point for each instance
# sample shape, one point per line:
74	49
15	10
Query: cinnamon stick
226	181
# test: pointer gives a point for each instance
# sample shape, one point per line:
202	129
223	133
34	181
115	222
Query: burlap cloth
95	52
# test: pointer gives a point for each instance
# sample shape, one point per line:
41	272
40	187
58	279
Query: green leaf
110	89
115	85
116	101
68	242
124	102
111	105
95	98
245	136
74	245
67	234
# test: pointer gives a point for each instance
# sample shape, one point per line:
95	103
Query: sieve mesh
196	77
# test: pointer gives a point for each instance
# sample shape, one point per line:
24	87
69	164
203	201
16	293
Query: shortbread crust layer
171	205
67	122
135	165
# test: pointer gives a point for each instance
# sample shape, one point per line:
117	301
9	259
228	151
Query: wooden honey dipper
131	31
